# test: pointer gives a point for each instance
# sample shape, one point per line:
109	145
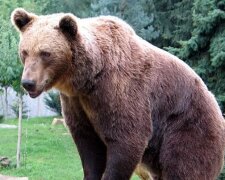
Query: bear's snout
32	87
29	85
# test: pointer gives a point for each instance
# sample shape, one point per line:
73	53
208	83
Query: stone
57	121
3	177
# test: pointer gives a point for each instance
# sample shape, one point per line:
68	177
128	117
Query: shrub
15	109
1	118
52	101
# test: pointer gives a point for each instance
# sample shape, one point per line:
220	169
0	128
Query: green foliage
222	175
52	101
10	65
205	50
9	62
132	11
173	20
1	119
15	109
77	7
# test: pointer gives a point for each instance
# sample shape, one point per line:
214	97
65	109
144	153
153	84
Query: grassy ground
48	152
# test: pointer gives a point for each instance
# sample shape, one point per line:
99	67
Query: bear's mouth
34	94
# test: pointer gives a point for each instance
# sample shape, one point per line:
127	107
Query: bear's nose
29	85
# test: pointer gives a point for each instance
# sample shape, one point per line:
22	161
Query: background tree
174	21
80	8
133	12
205	50
10	65
15	108
52	101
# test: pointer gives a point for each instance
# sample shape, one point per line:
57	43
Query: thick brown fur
124	100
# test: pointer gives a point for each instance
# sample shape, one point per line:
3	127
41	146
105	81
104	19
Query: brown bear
124	100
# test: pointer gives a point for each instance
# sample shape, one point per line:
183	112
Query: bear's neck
66	87
74	82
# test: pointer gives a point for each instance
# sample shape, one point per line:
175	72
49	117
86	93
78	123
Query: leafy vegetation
132	11
205	50
15	109
52	101
10	66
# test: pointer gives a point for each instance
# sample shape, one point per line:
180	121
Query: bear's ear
20	18
68	26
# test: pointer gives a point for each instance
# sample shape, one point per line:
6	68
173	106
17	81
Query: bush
1	118
15	109
222	175
52	101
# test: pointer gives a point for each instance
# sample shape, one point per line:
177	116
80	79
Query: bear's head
45	49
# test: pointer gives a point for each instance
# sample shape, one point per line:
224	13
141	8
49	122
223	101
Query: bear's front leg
122	160
126	133
92	153
91	149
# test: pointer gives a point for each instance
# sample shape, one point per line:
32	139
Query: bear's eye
45	54
24	54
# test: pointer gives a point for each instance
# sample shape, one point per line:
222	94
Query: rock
7	126
4	161
57	121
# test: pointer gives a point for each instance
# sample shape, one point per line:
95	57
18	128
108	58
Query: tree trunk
6	103
18	154
2	104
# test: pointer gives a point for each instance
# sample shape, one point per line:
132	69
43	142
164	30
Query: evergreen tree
205	50
52	102
132	11
77	7
174	21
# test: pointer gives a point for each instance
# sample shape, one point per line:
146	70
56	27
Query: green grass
48	152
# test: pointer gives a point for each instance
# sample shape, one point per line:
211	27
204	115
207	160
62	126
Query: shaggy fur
124	100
